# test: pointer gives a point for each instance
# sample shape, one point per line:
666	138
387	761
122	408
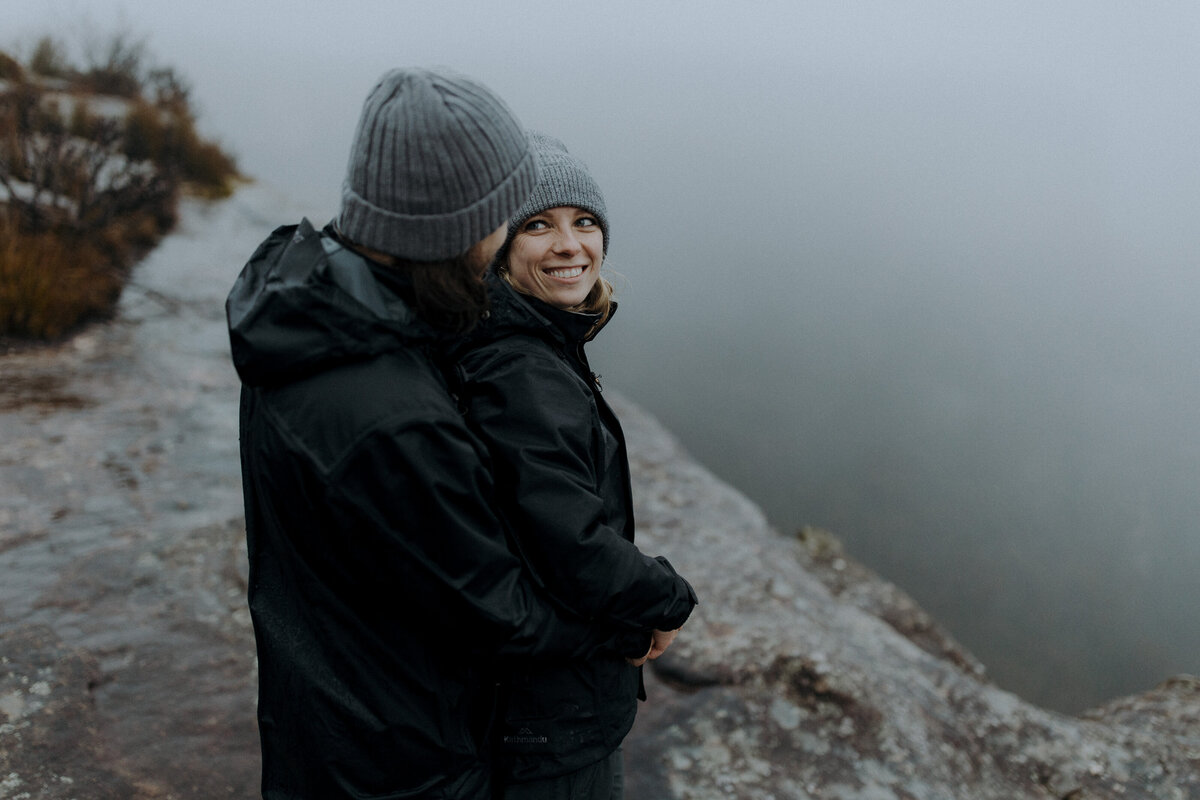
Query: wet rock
122	545
46	392
802	674
52	745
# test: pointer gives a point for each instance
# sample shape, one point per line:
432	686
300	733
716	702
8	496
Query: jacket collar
513	311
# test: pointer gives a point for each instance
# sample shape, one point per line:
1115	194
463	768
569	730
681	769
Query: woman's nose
566	242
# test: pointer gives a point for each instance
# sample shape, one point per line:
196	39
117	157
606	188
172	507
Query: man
381	587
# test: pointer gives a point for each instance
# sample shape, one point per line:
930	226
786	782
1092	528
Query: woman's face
556	255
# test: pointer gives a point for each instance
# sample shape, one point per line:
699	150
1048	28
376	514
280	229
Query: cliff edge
802	674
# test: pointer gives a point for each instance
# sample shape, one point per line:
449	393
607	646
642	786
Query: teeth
566	272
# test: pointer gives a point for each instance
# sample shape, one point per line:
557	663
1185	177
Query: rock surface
802	674
126	656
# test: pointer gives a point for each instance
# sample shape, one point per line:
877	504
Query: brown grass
54	282
49	284
167	136
10	68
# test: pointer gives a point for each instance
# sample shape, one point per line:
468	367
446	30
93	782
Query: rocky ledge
802	674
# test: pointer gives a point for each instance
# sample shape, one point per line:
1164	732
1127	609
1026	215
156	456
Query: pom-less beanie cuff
437	164
432	237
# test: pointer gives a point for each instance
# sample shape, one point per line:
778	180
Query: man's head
437	164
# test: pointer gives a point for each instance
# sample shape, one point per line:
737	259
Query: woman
562	475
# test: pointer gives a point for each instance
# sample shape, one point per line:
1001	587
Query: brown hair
599	300
449	294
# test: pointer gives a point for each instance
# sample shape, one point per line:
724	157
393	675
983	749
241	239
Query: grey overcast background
923	273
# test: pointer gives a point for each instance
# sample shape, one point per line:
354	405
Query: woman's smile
564	272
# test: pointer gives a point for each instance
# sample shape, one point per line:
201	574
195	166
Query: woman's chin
563	298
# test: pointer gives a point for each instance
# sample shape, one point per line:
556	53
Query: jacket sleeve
417	501
536	417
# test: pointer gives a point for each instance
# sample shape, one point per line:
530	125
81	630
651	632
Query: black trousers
604	780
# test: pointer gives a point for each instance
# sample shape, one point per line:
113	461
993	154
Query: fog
922	274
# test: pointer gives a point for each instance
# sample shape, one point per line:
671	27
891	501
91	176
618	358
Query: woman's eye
534	225
586	222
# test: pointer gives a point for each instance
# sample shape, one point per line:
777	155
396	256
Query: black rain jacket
382	587
563	481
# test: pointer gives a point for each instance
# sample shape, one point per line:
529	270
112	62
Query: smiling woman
562	478
555	249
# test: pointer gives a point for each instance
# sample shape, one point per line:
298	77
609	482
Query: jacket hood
305	302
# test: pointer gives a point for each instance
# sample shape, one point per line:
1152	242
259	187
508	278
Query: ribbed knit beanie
563	180
438	163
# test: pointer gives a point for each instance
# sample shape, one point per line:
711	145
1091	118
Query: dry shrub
51	283
96	192
166	134
83	123
115	65
130	236
209	169
49	59
145	133
10	68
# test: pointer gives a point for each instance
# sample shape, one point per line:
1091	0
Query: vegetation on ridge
92	162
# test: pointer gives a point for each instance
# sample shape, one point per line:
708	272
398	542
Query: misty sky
747	81
922	272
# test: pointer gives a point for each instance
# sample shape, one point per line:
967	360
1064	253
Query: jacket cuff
692	599
633	644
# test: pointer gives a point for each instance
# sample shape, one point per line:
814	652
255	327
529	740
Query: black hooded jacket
563	482
382	587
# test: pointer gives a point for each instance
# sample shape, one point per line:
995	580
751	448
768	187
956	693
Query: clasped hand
659	642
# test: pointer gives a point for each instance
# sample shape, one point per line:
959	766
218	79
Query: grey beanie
438	163
563	180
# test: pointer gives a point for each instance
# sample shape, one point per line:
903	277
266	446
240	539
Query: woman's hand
659	642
